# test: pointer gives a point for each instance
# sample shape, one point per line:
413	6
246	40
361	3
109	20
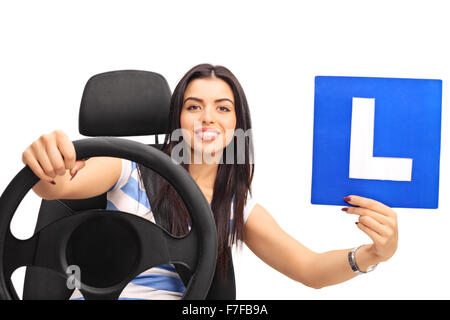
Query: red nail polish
356	223
53	182
73	175
344	209
348	199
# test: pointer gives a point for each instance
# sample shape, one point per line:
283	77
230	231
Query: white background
49	49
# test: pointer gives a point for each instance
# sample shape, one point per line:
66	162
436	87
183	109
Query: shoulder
128	169
249	208
260	224
257	215
129	194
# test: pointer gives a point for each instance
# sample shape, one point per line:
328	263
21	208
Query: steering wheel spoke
13	261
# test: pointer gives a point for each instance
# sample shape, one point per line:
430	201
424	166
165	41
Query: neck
204	173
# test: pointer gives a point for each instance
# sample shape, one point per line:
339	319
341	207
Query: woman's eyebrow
200	100
224	99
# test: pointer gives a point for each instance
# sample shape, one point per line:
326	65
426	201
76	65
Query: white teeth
207	135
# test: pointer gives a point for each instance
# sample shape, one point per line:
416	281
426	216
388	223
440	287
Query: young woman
209	107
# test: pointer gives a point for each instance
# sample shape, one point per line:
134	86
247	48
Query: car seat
117	103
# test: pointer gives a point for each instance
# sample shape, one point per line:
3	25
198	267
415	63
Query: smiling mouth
206	135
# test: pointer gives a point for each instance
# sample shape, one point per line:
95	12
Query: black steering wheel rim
196	204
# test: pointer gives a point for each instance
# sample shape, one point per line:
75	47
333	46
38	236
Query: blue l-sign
378	138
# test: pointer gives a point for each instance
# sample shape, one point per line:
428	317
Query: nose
208	114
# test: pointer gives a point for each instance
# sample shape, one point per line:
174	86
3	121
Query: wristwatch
351	260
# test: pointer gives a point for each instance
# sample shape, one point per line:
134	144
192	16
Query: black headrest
125	103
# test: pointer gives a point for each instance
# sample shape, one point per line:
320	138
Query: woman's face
208	115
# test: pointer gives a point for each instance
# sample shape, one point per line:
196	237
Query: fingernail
53	182
356	223
73	175
348	199
344	209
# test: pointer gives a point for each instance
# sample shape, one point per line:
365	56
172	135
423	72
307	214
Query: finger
369	203
374	225
376	238
67	150
40	155
37	169
56	159
78	166
367	212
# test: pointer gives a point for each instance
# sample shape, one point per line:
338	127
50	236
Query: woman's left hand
379	222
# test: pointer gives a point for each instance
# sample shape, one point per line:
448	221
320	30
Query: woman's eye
194	107
224	109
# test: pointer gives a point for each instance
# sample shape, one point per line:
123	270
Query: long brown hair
233	180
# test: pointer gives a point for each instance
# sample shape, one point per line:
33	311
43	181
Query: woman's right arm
52	158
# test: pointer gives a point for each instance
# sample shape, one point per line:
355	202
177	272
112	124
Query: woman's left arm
285	254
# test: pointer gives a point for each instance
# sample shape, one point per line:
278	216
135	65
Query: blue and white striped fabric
162	282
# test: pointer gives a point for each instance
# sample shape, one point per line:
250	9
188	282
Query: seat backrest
118	103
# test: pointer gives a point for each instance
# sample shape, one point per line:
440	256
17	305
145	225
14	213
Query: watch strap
352	262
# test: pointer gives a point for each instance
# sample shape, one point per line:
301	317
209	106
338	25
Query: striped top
161	282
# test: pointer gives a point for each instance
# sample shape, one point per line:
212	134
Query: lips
207	134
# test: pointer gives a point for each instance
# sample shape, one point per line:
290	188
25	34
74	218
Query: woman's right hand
51	155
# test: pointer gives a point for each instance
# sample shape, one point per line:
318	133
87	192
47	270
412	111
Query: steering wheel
134	244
